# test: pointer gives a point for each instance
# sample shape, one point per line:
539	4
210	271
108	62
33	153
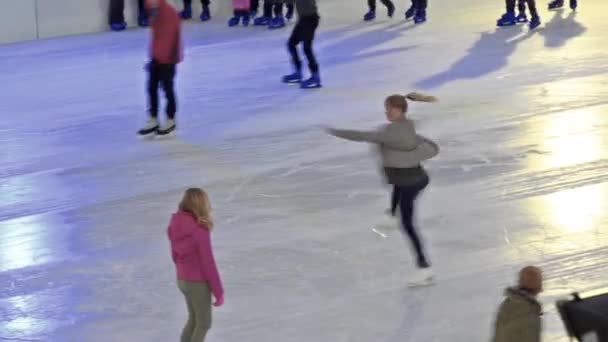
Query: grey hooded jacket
402	150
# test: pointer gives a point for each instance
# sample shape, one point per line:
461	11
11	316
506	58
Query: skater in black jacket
117	17
304	32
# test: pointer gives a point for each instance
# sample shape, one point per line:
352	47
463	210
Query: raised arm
376	136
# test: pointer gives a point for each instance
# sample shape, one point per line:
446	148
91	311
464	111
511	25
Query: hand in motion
219	301
414	96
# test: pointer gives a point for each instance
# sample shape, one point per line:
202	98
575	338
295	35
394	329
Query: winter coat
192	252
518	318
166	34
401	149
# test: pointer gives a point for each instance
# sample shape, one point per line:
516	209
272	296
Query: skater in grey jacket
402	152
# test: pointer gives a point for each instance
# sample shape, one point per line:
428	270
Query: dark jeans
372	4
304	32
203	2
117	9
163	75
405	197
419	4
521	5
272	7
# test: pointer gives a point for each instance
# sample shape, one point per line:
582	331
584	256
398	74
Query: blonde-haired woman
402	152
190	236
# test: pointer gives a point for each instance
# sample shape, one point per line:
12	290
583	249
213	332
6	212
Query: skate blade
424	283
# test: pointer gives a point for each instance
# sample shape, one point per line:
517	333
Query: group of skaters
510	18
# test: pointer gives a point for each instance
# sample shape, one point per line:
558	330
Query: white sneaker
167	128
150	127
422	277
388	222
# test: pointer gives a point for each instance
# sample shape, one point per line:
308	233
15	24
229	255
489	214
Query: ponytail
418	97
400	101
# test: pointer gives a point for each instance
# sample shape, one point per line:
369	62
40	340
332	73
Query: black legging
419	4
304	32
117	9
203	2
405	198
272	7
162	74
521	4
372	4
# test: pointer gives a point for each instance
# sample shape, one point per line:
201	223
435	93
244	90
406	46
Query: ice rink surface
521	178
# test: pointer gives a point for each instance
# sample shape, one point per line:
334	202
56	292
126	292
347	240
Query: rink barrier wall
23	20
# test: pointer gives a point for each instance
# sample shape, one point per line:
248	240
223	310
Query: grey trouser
198	300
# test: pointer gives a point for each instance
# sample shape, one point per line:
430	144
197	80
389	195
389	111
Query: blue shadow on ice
489	54
560	29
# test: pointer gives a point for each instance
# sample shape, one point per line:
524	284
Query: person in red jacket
190	236
166	54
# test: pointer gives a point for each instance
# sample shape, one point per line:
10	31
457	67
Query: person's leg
532	8
117	8
278	9
395	200
186	335
201	299
268	8
292	46
421	5
371	4
153	81
167	81
308	37
510	6
408	195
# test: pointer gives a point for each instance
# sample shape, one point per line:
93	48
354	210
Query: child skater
402	151
166	54
197	276
242	10
304	32
371	4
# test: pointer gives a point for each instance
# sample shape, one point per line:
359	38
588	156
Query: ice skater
418	11
509	18
187	11
197	276
556	4
272	15
371	5
402	152
166	54
117	17
242	11
304	32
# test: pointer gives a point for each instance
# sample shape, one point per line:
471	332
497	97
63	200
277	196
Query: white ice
521	179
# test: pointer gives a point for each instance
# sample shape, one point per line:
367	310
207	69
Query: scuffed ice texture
521	178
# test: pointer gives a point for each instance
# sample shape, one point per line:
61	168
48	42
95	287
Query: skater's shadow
489	54
560	29
353	47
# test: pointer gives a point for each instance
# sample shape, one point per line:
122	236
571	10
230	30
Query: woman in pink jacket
197	274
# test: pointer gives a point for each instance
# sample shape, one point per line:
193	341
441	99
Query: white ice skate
389	223
150	127
167	128
422	277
